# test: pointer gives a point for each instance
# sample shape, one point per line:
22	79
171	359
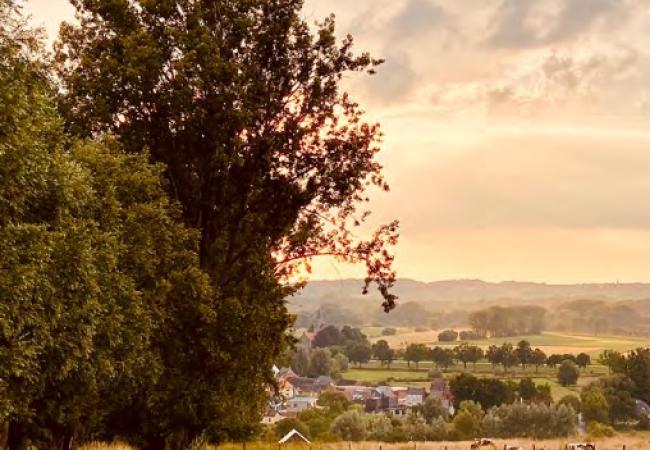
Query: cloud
418	17
519	24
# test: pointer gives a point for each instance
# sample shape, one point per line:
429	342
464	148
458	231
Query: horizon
528	167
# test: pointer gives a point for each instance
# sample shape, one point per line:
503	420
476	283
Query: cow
482	443
581	446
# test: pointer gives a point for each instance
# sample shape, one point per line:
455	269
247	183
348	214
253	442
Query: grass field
632	441
549	342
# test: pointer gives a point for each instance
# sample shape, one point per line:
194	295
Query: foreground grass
632	441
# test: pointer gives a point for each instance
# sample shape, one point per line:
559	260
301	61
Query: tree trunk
4	435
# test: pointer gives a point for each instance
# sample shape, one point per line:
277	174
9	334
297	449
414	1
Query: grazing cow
581	446
482	443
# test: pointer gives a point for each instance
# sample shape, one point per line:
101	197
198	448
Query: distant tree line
500	321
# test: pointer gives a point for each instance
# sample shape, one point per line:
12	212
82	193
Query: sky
517	133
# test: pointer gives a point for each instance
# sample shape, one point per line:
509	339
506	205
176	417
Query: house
440	390
285	388
382	399
297	404
414	397
294	436
302	386
357	394
272	416
323	383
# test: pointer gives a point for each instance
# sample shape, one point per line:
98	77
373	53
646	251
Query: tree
349	426
538	358
358	353
320	363
554	360
432	408
448	336
268	157
637	367
594	405
493	355
442	357
618	391
300	362
524	353
383	352
572	401
416	353
467	423
583	360
508	356
613	360
94	261
568	373
335	402
468	353
328	337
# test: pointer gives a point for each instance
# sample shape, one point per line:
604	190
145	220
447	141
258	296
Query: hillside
342	301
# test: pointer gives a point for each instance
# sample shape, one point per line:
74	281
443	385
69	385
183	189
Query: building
414	397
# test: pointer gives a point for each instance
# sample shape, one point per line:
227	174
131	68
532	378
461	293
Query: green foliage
613	360
358	353
595	407
467	353
442	357
269	159
529	420
572	401
416	353
320	363
448	336
499	321
487	392
432	409
350	426
599	430
568	373
286	425
382	351
467	422
334	402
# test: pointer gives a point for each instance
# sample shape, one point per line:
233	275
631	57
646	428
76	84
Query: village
296	394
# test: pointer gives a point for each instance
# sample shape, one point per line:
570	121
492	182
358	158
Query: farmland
632	441
550	342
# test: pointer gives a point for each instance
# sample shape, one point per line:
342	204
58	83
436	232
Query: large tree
97	270
269	159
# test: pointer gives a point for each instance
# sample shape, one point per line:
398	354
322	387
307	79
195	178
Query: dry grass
633	441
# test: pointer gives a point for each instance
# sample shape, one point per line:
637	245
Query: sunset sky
517	133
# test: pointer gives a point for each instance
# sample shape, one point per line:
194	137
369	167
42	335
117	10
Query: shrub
529	420
389	332
350	426
572	401
568	373
599	430
448	336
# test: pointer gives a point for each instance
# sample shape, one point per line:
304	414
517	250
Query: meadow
550	342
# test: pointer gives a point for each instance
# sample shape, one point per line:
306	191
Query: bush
468	335
389	332
529	420
448	336
568	373
350	426
572	401
599	430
